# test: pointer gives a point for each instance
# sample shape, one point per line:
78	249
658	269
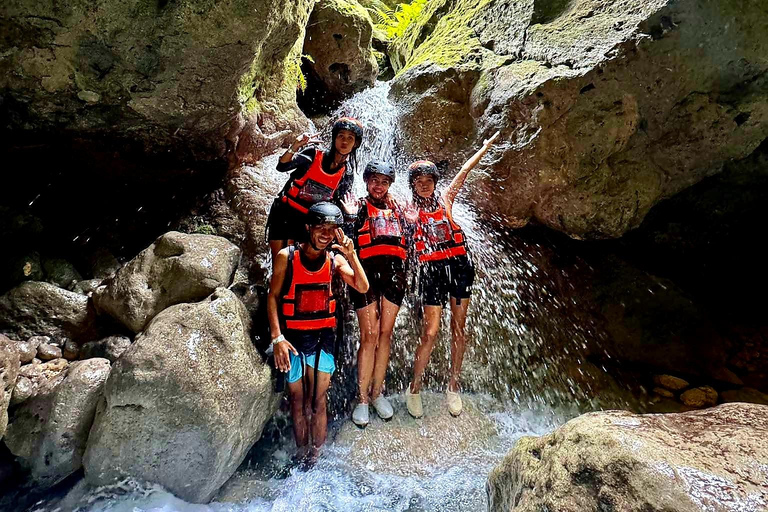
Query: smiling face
424	185
345	142
378	186
321	235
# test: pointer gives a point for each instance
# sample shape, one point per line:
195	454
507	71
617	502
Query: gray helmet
422	167
324	213
378	167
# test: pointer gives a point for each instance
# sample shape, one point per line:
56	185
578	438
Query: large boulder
9	371
338	42
184	404
176	268
42	308
686	462
48	433
605	107
182	79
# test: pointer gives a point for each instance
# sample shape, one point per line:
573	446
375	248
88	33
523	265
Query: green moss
204	229
348	8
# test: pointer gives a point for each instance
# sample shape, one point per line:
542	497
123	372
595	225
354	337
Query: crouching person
302	316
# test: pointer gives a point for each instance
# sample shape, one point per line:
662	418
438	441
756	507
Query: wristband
291	151
277	340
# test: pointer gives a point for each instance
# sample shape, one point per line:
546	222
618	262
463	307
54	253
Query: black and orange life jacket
307	301
316	185
437	237
382	234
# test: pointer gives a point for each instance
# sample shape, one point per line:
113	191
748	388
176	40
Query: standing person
302	316
316	176
445	271
380	239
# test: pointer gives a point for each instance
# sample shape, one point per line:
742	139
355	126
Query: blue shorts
327	364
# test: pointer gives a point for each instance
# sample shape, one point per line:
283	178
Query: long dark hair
330	156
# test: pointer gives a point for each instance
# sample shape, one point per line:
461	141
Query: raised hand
350	204
304	139
344	244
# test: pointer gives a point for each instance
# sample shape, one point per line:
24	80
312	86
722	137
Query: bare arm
458	181
282	359
348	265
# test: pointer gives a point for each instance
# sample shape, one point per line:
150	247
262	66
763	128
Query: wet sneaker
413	402
454	402
360	415
383	407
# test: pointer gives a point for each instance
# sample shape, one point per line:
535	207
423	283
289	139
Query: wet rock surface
42	308
695	461
38	378
185	403
176	268
47	352
9	371
605	108
48	433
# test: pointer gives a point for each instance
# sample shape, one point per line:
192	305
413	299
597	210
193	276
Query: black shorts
386	277
307	342
439	280
286	222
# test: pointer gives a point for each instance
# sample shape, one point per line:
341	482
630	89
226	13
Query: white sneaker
454	402
383	407
360	415
413	402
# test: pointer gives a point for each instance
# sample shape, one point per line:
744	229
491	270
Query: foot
360	415
454	403
413	402
383	407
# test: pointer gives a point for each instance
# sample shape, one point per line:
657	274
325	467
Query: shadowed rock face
9	371
705	460
605	108
184	404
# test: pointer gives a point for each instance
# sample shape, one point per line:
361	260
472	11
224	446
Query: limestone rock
48	433
339	38
748	395
42	308
110	348
9	371
605	107
47	352
615	460
670	382
87	286
184	403
23	391
27	349
704	396
41	378
176	268
61	273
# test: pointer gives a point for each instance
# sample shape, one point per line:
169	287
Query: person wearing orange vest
380	238
301	308
316	176
445	271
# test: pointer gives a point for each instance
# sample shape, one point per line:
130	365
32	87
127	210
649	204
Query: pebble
704	396
48	352
71	350
664	392
27	351
22	391
670	382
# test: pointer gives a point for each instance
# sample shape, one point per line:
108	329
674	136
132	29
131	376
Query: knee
430	333
321	402
369	339
385	336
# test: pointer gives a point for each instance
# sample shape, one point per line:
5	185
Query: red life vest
382	234
315	186
437	237
308	303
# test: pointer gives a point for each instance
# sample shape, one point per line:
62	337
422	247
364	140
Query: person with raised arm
301	308
446	272
316	175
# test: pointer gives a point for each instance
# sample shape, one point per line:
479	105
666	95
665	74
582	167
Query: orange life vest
382	234
315	186
308	303
437	237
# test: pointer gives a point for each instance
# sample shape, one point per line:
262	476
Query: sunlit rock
48	433
9	371
42	308
407	446
184	404
176	268
605	107
694	461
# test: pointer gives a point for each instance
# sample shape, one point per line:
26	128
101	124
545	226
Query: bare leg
428	337
458	339
320	416
369	338
300	431
386	325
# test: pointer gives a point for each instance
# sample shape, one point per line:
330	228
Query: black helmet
422	167
378	167
351	124
324	213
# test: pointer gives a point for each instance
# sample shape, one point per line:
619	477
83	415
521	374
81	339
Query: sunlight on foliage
395	22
